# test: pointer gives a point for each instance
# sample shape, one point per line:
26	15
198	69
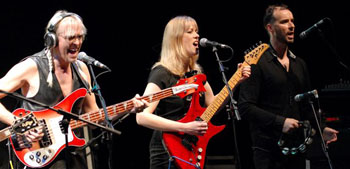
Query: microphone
300	97
204	42
88	59
305	33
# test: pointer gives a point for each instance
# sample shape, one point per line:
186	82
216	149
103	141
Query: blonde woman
179	55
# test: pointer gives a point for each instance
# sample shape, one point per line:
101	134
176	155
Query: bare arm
150	120
209	95
19	76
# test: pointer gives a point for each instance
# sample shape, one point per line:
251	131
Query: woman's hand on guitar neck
246	71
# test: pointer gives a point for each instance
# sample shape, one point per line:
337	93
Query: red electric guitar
43	152
188	151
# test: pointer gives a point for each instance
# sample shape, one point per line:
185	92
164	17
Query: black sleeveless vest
52	95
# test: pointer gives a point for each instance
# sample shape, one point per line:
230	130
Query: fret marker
100	113
125	105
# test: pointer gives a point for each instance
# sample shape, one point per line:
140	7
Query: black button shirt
266	97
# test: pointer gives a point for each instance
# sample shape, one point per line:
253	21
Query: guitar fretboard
117	109
220	98
250	58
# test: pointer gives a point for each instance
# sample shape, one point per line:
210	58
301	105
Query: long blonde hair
173	55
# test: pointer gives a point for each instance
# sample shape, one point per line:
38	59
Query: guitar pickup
188	141
46	140
19	141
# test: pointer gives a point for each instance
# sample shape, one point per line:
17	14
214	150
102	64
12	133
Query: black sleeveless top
172	107
52	95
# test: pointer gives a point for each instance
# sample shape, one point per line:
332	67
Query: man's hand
289	125
26	139
329	135
139	105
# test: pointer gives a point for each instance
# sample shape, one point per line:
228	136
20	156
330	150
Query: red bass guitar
188	151
43	152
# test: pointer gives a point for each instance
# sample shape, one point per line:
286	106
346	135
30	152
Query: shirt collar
273	53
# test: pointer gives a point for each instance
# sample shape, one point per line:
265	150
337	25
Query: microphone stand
66	117
65	124
103	133
96	89
232	104
331	47
60	111
323	143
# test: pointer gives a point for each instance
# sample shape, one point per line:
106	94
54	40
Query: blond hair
70	19
173	55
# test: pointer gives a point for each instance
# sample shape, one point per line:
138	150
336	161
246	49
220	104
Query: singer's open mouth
72	51
195	43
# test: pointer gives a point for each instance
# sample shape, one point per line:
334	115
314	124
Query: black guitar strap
76	68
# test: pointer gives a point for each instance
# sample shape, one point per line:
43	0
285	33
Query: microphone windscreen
82	56
203	42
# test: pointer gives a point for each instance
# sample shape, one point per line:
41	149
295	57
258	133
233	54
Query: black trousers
159	158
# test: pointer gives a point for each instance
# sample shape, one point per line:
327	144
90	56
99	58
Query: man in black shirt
266	98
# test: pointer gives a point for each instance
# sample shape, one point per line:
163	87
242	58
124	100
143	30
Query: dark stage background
126	36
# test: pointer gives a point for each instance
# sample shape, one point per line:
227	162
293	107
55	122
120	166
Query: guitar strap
190	73
76	68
